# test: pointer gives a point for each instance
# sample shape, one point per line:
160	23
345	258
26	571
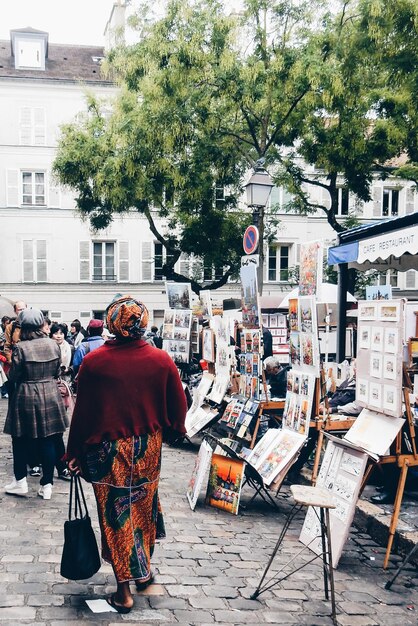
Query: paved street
205	570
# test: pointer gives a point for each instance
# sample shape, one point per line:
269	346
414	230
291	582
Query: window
104	260
99	315
390	203
30	54
33	188
390	277
278	263
343	200
211	273
32	126
281	199
34	261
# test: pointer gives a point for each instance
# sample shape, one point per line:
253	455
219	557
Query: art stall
384	432
238	448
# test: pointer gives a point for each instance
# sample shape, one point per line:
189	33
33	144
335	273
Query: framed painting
208	345
225	482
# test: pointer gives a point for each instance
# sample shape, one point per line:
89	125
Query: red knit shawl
125	388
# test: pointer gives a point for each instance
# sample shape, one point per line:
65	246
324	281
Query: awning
395	249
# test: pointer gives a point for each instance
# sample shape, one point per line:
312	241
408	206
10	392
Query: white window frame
32	183
390	191
34	261
341	191
278	265
105	276
390	277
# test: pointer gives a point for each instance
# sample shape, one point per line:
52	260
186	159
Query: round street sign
250	239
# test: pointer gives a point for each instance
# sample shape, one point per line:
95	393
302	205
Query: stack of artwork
238	415
299	401
379	356
222	332
304	346
250	363
178	322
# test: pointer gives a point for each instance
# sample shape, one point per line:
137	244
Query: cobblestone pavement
206	569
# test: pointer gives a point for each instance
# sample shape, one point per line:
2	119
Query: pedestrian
58	332
77	334
129	399
154	335
94	340
12	330
36	411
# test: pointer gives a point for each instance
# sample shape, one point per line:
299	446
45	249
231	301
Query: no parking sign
250	239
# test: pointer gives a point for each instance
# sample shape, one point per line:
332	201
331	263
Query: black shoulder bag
80	555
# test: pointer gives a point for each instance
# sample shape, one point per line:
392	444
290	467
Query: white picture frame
376	365
389	370
389	310
391	340
377	338
364	337
390	401
362	390
367	311
375	395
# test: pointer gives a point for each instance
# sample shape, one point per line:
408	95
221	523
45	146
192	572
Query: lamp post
258	190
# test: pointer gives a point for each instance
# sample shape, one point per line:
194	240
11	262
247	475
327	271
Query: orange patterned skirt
125	475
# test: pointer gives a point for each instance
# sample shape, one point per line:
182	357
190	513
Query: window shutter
84	247
41	261
55	316
12	188
39	126
147	261
377	201
28	261
54	199
410	200
123	261
25	126
410	279
85	317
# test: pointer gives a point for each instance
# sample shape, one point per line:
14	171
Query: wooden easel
403	461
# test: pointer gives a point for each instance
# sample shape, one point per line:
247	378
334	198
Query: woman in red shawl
129	399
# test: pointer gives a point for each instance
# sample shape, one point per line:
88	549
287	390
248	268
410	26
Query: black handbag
80	556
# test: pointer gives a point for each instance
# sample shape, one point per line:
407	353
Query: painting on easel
225	481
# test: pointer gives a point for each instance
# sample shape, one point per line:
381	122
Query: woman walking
129	399
36	410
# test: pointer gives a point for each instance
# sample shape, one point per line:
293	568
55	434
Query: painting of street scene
179	295
225	481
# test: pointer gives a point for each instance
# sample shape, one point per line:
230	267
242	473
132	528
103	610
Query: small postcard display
225	481
250	363
178	322
276	323
341	473
379	356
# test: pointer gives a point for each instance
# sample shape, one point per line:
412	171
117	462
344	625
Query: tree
351	132
196	110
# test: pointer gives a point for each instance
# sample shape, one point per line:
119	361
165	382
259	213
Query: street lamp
258	190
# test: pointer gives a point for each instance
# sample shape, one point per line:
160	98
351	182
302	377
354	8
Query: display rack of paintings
200	414
239	413
379	356
223	357
299	401
250	363
341	473
178	322
274	452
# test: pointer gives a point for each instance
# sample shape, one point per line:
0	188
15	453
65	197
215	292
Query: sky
67	21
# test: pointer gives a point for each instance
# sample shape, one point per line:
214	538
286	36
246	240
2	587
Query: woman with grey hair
36	409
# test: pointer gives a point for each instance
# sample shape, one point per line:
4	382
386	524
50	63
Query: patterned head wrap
126	317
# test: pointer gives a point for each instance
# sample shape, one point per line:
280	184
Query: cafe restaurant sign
395	243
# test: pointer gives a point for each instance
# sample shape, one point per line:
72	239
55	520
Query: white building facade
50	258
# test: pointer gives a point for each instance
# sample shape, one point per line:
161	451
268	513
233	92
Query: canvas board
179	295
311	268
251	315
374	432
200	471
225	482
341	473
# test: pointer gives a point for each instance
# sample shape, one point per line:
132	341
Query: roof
64	63
377	228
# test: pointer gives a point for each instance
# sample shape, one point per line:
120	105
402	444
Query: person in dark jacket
36	409
276	376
